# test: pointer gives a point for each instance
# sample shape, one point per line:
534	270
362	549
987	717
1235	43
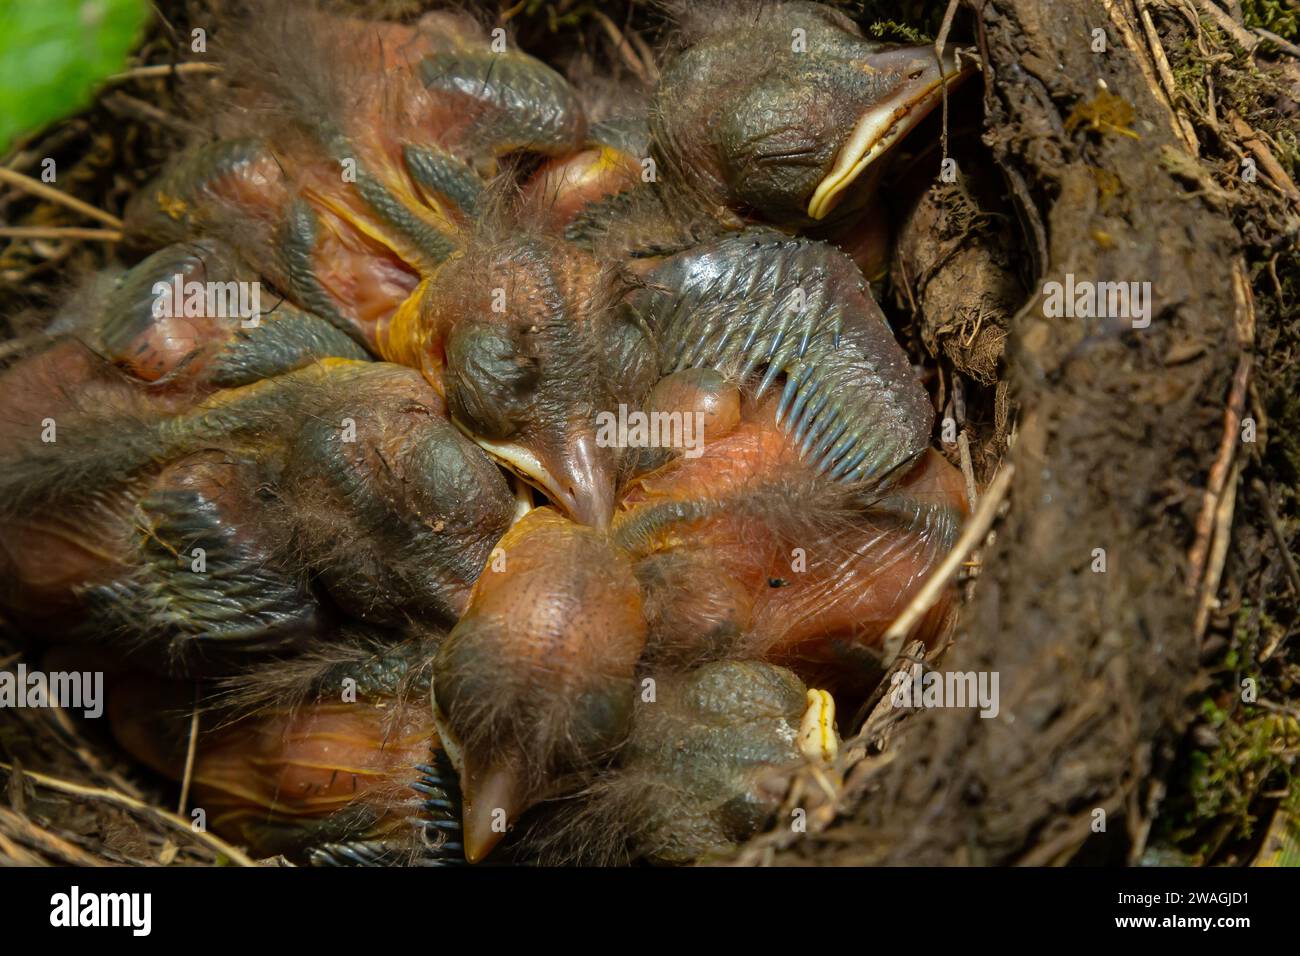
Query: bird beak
818	740
493	795
579	477
919	88
494	799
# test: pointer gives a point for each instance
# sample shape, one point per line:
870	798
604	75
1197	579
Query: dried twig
1219	471
647	55
1182	125
215	843
1058	849
976	528
62	725
1218	551
1285	45
120	104
1120	19
625	49
963	442
1253	142
967	469
940	39
190	750
41	839
59	232
37	188
1229	26
15	854
163	69
1244	325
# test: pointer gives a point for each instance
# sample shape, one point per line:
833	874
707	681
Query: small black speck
777	582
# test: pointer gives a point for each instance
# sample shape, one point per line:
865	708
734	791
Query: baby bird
218	530
349	166
745	552
782	108
333	759
536	681
775	114
703	768
329	758
525	337
533	341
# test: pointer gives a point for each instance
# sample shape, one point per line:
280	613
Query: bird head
780	110
536	681
534	352
705	765
394	506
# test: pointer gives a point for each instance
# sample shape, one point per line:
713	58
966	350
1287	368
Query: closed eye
809	155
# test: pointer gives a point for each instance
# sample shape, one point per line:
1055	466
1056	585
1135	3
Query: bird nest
1127	568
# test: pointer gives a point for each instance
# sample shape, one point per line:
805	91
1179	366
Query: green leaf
53	53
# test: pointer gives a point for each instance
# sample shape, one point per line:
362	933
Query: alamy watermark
638	429
1084	299
70	690
934	689
176	298
74	908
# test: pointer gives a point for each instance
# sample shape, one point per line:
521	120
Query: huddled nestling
430	605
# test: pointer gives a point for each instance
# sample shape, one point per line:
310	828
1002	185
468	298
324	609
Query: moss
549	13
1228	774
1225	783
1277	16
1189	73
892	30
903	21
